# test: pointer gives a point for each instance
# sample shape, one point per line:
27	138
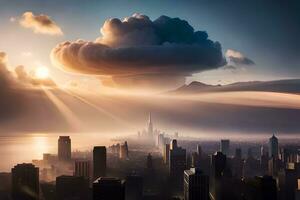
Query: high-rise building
149	162
25	182
237	165
99	161
134	187
83	168
166	154
177	162
196	185
72	187
224	147
64	148
273	147
124	151
108	189
150	126
218	164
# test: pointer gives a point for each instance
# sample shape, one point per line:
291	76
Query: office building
64	148
99	161
273	147
72	187
25	182
177	162
224	147
218	163
166	153
83	168
196	185
108	189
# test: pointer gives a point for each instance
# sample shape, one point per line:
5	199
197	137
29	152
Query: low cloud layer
41	24
137	48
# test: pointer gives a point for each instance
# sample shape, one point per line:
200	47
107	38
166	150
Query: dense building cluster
172	168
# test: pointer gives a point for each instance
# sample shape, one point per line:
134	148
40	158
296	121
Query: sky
56	57
267	32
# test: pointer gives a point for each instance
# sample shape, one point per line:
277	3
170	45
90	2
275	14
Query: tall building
150	126
224	147
177	163
64	148
99	161
83	168
273	147
134	187
149	162
196	185
237	165
25	182
166	154
72	187
108	189
124	154
218	165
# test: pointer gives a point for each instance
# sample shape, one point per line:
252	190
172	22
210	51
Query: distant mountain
285	86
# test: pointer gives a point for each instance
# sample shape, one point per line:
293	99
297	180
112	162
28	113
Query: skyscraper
166	153
273	147
224	147
108	189
177	163
25	182
218	164
150	126
99	161
237	165
83	168
64	148
196	185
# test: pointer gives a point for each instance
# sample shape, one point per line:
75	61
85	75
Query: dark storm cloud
137	46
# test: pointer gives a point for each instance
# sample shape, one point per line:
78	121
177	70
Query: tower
150	126
64	148
108	189
273	147
99	161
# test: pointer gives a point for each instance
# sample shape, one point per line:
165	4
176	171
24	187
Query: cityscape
154	165
149	100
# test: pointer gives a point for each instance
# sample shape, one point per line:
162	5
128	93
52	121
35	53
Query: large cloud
40	24
137	48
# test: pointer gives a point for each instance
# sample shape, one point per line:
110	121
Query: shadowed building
25	182
196	185
134	187
83	168
64	148
177	163
99	161
224	147
273	147
72	187
108	189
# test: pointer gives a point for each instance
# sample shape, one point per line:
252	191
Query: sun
41	72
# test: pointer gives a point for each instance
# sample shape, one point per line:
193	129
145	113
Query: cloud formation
238	58
26	78
137	48
42	24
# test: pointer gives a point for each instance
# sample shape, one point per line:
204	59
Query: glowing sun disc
42	72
